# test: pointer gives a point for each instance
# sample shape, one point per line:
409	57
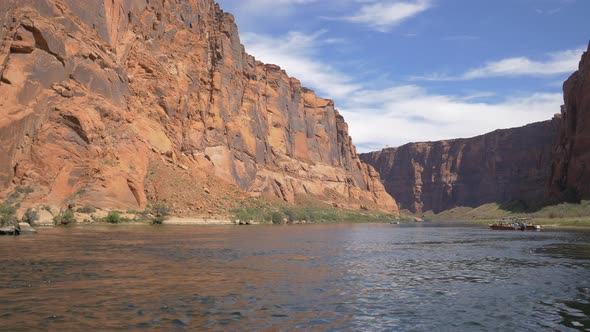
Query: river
358	277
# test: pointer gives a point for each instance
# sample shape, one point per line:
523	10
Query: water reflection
578	251
320	277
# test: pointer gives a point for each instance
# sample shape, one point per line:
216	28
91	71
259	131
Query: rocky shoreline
17	229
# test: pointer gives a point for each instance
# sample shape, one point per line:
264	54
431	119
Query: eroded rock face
504	165
570	175
95	90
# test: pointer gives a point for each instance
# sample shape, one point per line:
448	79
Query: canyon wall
501	166
570	170
106	102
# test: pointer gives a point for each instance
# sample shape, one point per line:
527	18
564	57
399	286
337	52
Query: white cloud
383	16
551	7
552	11
399	114
295	52
557	63
403	114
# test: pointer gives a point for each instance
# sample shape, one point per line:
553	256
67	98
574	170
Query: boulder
45	218
25	228
9	230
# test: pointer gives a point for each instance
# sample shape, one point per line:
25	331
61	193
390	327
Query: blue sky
417	70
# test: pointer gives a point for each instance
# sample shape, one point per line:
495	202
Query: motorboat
515	224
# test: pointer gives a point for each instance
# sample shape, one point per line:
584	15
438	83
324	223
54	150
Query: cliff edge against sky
570	170
501	166
541	163
115	103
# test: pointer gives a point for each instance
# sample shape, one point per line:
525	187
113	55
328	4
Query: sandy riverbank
197	221
171	221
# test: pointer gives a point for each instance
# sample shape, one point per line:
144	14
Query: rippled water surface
362	277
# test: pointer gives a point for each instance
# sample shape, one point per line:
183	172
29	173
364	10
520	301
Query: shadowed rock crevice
74	123
40	41
137	192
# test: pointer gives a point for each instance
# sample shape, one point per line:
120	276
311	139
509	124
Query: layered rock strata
95	91
501	166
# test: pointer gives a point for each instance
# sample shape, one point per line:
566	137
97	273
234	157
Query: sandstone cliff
117	102
570	171
504	165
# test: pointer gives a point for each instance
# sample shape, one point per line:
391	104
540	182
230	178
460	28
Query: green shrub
160	209
160	212
158	220
31	216
277	214
113	217
86	209
18	191
277	218
24	190
64	218
13	196
291	214
307	215
7	215
245	214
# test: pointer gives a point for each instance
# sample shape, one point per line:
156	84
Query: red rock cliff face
504	165
570	175
95	91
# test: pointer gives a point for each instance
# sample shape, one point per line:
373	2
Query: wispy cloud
410	113
295	52
552	11
395	115
551	7
384	15
555	64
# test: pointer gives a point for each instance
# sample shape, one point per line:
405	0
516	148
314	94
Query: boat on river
515	224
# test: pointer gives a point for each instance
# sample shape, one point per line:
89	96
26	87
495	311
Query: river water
359	277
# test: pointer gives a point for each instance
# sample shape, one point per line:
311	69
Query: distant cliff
504	165
115	103
570	170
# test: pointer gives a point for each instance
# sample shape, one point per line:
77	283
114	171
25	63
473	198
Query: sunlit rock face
94	91
501	166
